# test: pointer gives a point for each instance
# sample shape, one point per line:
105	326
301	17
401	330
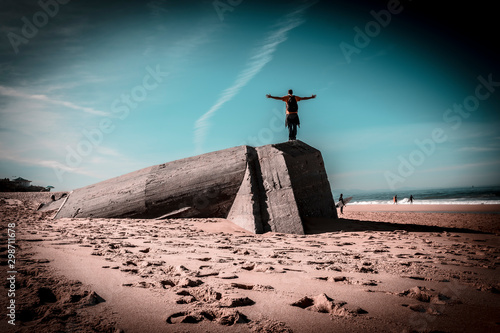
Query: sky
408	93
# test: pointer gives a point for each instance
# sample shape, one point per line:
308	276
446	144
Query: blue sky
91	90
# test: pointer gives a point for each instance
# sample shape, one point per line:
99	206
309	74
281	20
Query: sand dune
369	271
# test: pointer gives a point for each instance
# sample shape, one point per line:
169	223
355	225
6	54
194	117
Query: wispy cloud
357	173
7	91
180	50
108	151
464	166
478	149
257	61
194	35
51	164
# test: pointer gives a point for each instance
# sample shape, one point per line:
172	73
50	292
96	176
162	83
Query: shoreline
425	208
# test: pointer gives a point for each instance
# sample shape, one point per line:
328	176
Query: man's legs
292	131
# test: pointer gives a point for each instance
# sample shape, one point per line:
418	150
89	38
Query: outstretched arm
273	97
304	98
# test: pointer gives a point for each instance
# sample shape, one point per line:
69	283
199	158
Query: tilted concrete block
269	188
199	186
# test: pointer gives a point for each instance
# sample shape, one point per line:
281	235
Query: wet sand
455	208
371	270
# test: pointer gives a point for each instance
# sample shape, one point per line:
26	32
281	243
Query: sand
377	269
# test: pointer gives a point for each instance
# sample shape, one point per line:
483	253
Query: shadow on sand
321	225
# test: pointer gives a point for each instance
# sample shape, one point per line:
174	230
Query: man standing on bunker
292	108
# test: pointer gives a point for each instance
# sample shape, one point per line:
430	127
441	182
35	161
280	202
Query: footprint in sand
226	317
426	295
256	287
324	304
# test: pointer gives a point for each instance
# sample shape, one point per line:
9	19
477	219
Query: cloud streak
464	166
257	61
6	91
51	164
478	149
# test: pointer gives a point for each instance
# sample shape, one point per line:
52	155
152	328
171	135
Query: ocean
443	196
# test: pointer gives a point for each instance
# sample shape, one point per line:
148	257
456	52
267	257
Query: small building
21	182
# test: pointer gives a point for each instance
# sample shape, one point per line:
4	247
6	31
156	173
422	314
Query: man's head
290	92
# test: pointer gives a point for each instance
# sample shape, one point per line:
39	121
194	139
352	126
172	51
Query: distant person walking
395	199
341	203
292	108
411	199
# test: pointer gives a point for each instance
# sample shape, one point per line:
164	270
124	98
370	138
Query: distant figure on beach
292	108
411	199
395	199
341	201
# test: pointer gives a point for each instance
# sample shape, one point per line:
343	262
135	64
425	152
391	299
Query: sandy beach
379	268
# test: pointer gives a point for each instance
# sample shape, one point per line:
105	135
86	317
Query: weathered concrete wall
280	200
200	186
246	210
309	180
268	188
204	185
116	197
284	185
